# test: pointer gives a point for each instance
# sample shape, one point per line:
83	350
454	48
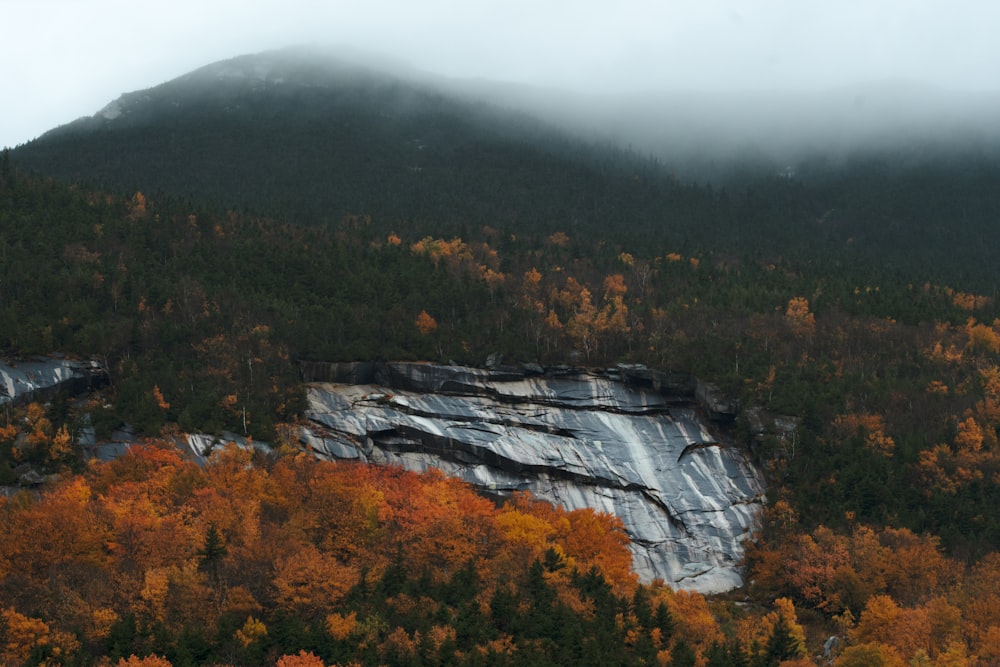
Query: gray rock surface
576	439
33	379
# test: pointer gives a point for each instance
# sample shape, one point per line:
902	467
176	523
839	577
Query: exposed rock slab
576	439
32	379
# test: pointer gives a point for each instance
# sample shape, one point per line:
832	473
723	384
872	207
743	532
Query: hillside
308	138
304	137
204	237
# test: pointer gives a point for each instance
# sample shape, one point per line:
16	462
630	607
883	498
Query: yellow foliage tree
559	239
340	627
61	447
23	633
983	337
137	207
969	437
147	661
252	630
426	323
868	426
870	655
798	317
301	659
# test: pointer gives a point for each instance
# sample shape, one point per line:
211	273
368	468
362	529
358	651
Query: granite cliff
629	441
27	380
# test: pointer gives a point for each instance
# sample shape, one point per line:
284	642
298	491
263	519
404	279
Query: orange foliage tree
147	661
301	659
425	323
798	317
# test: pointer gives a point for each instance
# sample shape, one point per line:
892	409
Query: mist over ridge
703	134
699	135
885	175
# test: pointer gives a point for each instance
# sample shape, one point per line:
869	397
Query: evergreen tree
211	554
782	644
682	655
210	562
641	608
663	620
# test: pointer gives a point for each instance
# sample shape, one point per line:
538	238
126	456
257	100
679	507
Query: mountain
311	138
299	134
296	212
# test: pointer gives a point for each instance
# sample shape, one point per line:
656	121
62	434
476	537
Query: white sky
67	58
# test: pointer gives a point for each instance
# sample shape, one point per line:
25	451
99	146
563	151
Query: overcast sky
63	59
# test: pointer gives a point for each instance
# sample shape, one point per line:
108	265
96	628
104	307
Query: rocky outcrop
629	441
36	379
763	425
717	406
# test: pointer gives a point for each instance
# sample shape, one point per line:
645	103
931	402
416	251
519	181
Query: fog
705	135
687	79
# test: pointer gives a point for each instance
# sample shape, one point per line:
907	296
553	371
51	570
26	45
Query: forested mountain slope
199	259
309	138
301	136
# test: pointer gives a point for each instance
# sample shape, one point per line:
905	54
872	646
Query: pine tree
214	550
210	562
783	644
663	620
682	655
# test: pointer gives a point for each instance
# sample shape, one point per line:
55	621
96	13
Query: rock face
33	379
575	438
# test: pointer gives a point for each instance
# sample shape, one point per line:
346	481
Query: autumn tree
137	207
301	659
870	655
613	320
23	636
869	428
799	319
532	302
147	661
308	581
581	315
425	323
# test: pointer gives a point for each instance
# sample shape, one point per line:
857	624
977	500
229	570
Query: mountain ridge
305	136
695	133
318	132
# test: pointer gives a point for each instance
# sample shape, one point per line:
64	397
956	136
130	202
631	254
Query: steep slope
309	138
305	136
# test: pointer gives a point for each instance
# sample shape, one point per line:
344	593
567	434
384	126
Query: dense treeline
254	556
260	559
201	316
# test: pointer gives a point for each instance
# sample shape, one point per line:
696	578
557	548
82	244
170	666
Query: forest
281	559
861	302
